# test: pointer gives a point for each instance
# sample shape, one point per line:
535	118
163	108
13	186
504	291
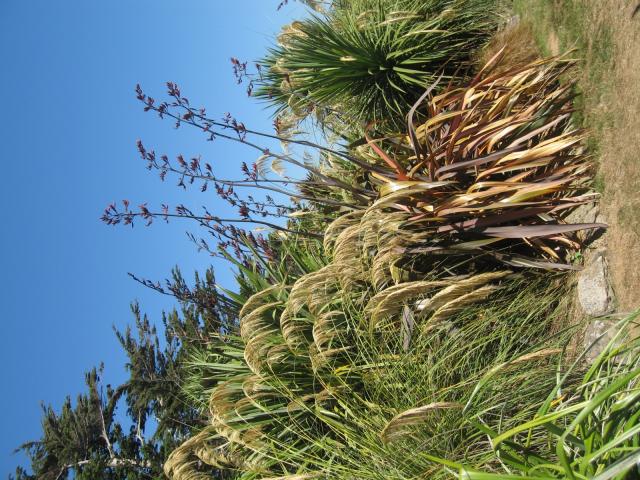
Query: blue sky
69	125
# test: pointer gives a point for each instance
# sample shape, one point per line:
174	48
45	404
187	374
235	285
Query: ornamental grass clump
312	388
369	60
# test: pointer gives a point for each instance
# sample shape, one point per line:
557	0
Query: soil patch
606	37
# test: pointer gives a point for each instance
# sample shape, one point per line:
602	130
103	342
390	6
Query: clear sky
68	129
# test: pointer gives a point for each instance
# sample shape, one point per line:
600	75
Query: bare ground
620	150
606	36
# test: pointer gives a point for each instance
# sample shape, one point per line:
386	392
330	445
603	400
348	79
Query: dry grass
518	42
606	35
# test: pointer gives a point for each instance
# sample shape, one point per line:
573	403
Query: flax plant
492	173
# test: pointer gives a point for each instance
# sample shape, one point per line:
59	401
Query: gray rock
597	335
513	21
587	213
594	291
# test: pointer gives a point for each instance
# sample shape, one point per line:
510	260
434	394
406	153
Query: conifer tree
127	432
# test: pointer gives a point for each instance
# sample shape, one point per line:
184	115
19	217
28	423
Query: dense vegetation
407	315
371	60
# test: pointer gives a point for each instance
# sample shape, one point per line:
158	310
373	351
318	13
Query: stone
587	213
597	335
513	21
594	291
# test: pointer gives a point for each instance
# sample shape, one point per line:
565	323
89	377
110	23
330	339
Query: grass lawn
606	37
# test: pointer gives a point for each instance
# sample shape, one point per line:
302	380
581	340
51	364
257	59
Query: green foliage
588	430
370	60
155	364
310	374
402	331
401	343
87	439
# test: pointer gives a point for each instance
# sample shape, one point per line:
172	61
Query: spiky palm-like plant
370	60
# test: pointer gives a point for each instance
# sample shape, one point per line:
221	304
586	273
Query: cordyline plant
370	60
